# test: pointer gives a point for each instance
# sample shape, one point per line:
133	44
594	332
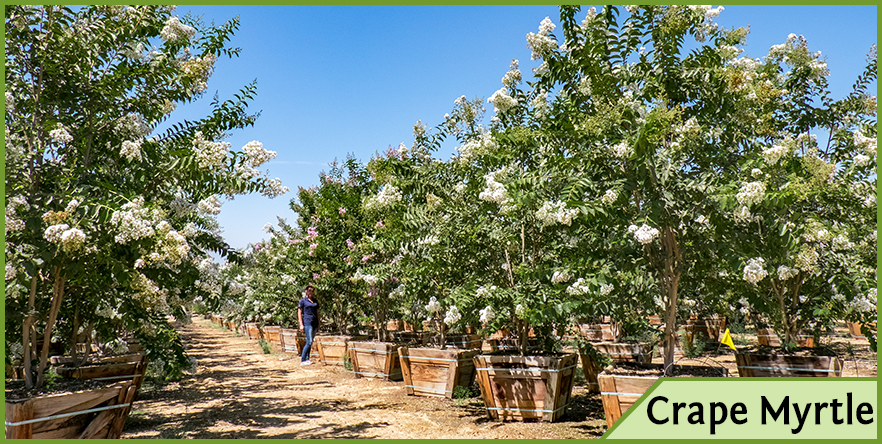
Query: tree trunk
27	328
57	296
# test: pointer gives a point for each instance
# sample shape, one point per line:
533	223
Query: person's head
310	290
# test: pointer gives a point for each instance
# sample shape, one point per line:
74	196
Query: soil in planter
635	369
15	390
799	351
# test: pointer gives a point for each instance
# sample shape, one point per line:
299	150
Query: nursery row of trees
648	167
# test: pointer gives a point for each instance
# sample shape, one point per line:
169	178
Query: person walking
308	314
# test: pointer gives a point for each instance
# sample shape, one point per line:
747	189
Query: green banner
699	408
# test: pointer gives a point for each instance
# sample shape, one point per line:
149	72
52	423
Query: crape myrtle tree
330	222
805	208
108	222
661	138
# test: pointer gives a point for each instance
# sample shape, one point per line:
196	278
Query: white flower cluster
807	259
785	272
176	32
367	278
501	101
11	272
198	70
795	52
606	289
209	276
484	292
10	102
494	191
210	205
486	315
235	288
256	153
397	291
540	104
751	193
478	146
621	150
387	196
861	160
210	155
540	44
511	78
433	306
70	239
560	277
863	304
578	288
552	212
521	311
754	271
868	144
131	150
644	234
745	305
742	215
773	154
268	227
13	205
273	188
841	242
433	201
134	222
180	206
452	316
609	196
132	126
428	240
60	134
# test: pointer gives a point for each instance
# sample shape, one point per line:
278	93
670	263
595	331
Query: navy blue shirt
310	311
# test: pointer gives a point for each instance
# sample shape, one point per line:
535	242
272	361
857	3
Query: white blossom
785	272
501	101
645	234
452	316
520	311
54	232
210	155
751	193
176	32
773	154
131	150
621	150
606	289
257	155
552	212
578	288
72	240
609	196
540	44
273	188
486	315
210	205
60	134
494	191
268	227
433	306
754	271
560	277
512	77
11	272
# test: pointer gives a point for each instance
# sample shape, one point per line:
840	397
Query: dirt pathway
239	392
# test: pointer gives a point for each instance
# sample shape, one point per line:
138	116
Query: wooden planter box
766	336
756	365
619	392
115	368
412	337
273	334
854	328
231	325
526	387
332	349
510	344
655	320
434	372
375	360
293	340
242	329
93	414
710	328
601	332
465	342
254	331
618	352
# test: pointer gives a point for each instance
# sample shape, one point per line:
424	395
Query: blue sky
334	80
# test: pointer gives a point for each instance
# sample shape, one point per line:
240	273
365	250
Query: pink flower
350	244
315	276
257	247
348	260
312	233
380	224
342	210
297	241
